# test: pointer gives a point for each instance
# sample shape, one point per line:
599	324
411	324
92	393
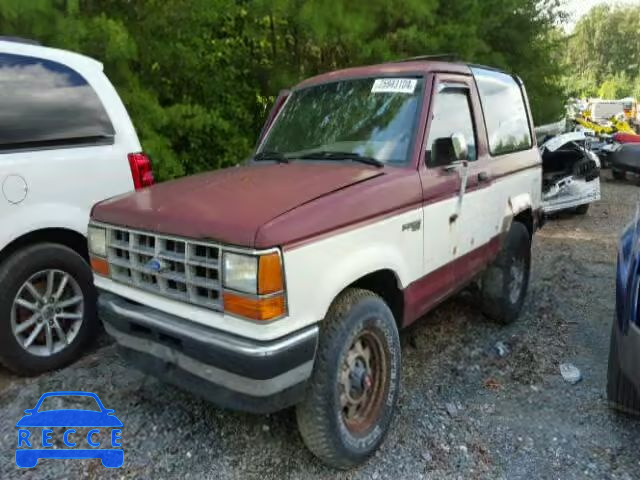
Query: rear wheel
353	391
47	308
621	393
504	284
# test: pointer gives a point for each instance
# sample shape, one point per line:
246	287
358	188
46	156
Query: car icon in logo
32	446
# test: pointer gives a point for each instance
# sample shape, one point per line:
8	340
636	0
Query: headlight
97	238
260	281
241	272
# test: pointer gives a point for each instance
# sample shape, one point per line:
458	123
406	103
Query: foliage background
602	57
198	76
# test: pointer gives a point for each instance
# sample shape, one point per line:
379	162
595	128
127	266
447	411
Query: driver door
444	181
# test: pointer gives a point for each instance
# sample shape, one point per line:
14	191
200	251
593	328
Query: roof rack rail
443	57
487	67
27	41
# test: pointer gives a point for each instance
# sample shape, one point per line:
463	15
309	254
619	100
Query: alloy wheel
47	312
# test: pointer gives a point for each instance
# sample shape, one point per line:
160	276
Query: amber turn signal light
254	308
270	274
100	266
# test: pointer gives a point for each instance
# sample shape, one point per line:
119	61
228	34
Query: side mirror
460	147
447	150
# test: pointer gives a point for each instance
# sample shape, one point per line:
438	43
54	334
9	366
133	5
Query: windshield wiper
328	155
270	156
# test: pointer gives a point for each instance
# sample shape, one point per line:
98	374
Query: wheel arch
386	284
526	218
63	236
519	209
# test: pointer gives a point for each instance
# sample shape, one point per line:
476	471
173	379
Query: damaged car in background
571	173
625	158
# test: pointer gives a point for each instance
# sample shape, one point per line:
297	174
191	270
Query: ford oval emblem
154	265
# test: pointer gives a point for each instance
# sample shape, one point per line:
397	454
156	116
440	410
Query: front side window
45	103
504	110
372	117
451	114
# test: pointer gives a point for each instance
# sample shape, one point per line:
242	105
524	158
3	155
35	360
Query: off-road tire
319	415
621	393
618	174
582	209
17	269
495	284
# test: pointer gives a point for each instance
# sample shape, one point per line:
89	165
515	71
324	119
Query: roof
409	67
422	65
29	48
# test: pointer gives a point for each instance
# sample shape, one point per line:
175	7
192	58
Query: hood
559	141
230	206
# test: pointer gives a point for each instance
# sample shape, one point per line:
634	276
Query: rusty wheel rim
363	382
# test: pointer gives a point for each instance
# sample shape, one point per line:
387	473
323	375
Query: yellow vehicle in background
614	125
610	116
630	106
606	117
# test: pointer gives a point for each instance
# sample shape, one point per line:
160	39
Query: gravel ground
464	411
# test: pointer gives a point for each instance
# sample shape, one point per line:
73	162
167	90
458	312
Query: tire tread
316	433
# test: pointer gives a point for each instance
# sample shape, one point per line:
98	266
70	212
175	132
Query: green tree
603	53
616	87
198	76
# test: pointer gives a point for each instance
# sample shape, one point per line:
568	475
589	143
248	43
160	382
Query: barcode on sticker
394	85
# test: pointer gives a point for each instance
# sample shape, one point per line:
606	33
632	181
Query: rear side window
47	104
504	112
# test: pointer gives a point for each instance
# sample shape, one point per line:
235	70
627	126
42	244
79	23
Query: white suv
66	142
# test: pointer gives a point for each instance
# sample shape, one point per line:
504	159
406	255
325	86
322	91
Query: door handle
483	177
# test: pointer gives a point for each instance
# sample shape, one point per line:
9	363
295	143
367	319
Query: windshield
69	402
372	117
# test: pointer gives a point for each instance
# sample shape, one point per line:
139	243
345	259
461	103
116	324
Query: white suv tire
47	308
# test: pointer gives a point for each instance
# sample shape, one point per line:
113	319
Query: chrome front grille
173	267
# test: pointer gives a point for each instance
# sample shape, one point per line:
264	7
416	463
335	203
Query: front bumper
578	192
231	371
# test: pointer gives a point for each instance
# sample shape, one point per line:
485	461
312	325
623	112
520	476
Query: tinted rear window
45	103
504	110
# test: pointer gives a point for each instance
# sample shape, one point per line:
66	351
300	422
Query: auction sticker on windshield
394	85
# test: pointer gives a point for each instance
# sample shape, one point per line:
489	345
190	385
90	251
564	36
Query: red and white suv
375	193
66	142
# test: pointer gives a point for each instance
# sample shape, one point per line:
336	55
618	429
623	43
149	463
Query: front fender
316	273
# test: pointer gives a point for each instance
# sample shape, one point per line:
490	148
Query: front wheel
47	308
352	394
504	284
